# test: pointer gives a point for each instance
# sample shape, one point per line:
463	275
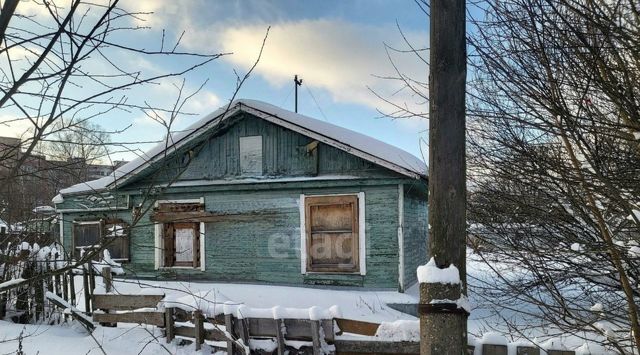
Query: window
94	234
86	236
117	240
181	244
251	155
332	233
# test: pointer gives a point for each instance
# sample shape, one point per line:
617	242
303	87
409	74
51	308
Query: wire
316	101
287	97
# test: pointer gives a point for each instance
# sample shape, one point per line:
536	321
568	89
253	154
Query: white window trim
73	236
159	241
362	240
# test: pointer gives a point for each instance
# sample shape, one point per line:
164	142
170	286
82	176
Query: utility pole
296	83
443	325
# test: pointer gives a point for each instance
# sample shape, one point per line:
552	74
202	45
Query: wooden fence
237	335
225	331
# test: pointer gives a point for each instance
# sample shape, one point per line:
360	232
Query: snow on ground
73	339
212	297
353	304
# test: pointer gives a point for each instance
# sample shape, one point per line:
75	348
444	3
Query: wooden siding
285	153
266	249
415	229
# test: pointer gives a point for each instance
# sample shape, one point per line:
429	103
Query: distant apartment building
39	179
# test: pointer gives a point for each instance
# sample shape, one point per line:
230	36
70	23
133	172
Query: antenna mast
296	82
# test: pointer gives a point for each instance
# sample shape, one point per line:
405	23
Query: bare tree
555	159
61	69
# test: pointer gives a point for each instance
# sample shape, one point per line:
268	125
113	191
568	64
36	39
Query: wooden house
257	194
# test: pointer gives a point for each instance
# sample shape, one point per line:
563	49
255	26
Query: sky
338	48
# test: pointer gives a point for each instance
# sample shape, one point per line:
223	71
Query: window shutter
332	233
196	246
169	247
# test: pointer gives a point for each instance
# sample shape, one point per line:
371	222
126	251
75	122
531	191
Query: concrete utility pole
443	326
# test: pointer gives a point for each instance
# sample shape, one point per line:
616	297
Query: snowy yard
370	306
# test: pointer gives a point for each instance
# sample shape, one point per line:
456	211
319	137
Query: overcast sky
336	47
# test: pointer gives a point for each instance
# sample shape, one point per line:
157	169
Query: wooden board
357	327
151	318
296	329
209	334
376	347
125	302
527	350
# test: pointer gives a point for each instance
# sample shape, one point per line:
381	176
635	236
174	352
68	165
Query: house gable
285	153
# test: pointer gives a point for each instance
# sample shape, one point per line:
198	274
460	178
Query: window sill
179	268
320	273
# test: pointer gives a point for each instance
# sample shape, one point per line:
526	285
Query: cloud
340	57
10	126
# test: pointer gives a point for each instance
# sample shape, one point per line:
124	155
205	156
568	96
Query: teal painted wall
266	249
416	230
216	156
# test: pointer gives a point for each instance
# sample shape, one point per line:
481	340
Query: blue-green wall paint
266	249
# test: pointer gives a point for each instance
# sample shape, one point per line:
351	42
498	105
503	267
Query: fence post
280	335
39	296
58	287
22	299
107	278
85	286
169	324
92	277
72	288
198	320
65	287
315	336
3	303
228	323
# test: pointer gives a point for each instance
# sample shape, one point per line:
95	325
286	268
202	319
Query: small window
86	236
251	155
117	240
332	233
181	244
92	235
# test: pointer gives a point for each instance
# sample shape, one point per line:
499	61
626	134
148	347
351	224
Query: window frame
360	253
102	239
195	262
76	248
159	257
125	239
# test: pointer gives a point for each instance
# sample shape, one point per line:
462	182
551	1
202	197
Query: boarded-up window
86	236
332	233
182	244
251	155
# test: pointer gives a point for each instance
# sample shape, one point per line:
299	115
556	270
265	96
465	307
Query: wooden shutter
169	244
196	246
332	233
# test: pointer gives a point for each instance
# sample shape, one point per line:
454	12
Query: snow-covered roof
350	141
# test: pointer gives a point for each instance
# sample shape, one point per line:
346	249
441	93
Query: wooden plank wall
415	229
267	248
